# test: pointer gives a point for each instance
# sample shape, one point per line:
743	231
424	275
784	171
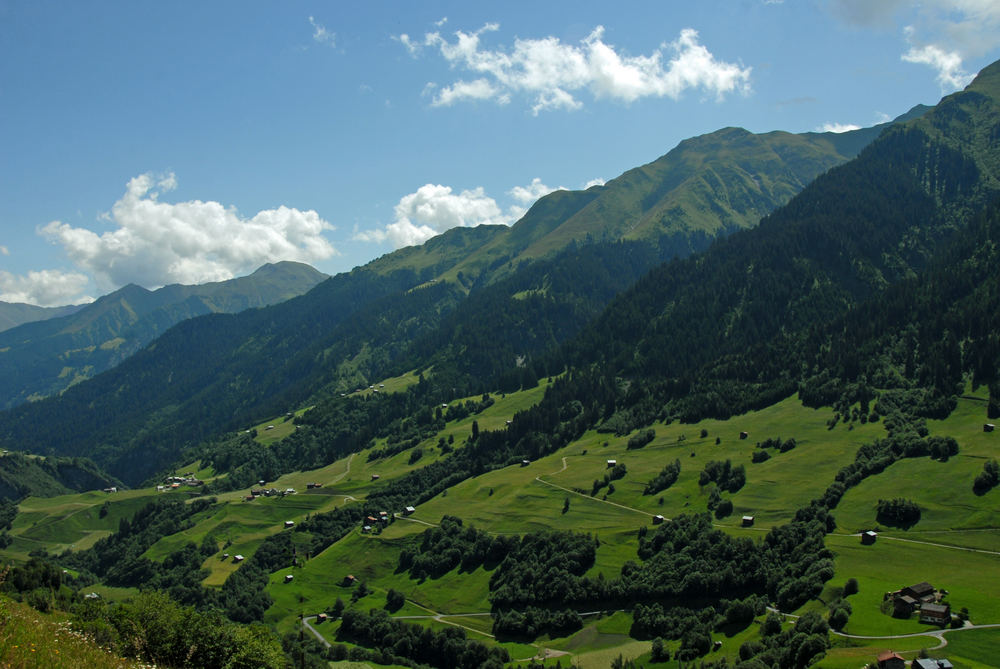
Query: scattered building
935	614
111	489
288	578
375	477
989	427
891	660
922	591
903	606
658	519
869	537
321	618
744	435
237	558
612	463
408	510
310	486
525	463
931	663
911	598
289	523
747	521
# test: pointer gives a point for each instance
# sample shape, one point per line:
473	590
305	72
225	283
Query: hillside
576	466
44	358
332	341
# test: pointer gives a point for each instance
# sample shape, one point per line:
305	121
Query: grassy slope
519	499
31	639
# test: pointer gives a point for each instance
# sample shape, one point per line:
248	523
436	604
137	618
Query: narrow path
931	543
602	501
937	634
305	623
413	520
564	467
340	477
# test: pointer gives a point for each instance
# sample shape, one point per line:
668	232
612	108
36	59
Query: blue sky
186	142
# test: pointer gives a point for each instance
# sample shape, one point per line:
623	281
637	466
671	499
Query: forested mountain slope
727	316
46	357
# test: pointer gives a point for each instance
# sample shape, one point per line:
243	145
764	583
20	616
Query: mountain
46	357
13	314
218	372
706	187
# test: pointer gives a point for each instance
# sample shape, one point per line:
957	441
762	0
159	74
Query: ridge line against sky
138	134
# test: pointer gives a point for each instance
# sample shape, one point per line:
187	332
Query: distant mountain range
13	314
44	357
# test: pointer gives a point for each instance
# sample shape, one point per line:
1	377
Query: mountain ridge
45	357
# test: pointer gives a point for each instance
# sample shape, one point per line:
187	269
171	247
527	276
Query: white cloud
526	195
950	75
594	182
552	73
941	34
882	117
45	288
321	34
838	127
434	208
155	243
4	251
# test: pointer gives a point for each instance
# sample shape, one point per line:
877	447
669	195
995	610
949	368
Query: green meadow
954	546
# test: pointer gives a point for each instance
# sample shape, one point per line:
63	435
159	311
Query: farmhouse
375	477
612	463
922	591
321	618
288	578
525	463
869	537
658	519
935	614
408	510
903	606
930	663
747	521
744	435
310	486
891	660
237	558
989	427
289	523
909	599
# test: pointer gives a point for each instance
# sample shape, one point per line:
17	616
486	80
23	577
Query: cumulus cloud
4	251
526	195
594	182
552	74
45	288
948	64
838	127
154	243
321	34
434	208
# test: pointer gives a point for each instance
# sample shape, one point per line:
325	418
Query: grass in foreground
30	639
